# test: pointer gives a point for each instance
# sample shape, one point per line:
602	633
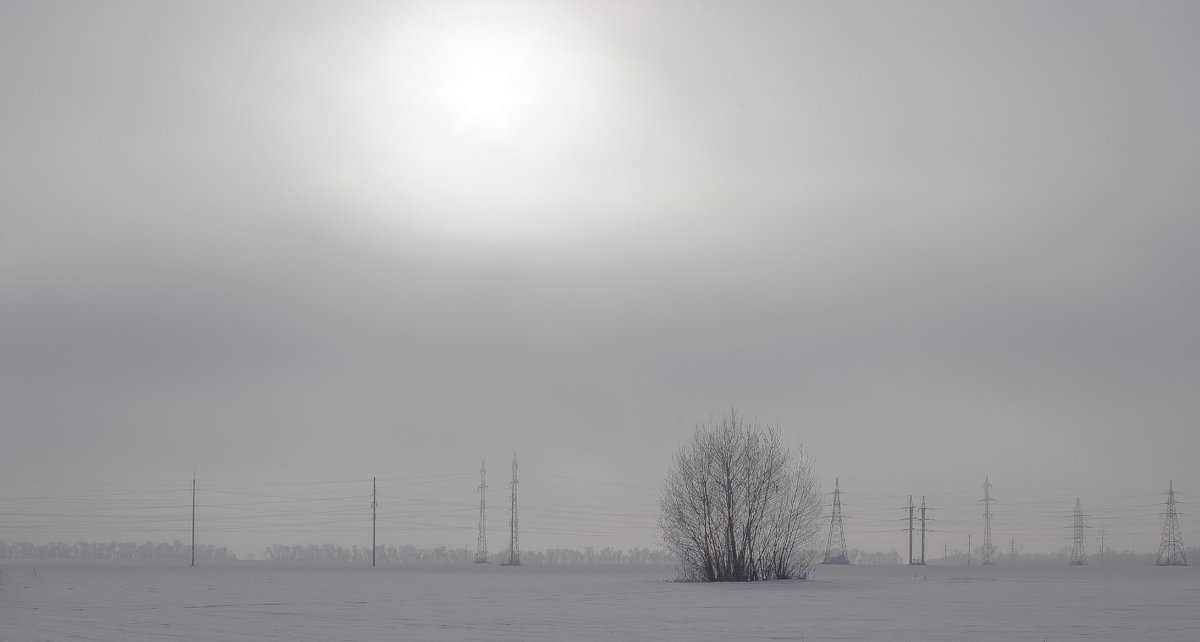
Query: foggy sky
931	241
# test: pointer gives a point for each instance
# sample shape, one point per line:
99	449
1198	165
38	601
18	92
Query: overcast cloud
932	241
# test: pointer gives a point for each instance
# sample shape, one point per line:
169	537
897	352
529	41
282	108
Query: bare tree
738	506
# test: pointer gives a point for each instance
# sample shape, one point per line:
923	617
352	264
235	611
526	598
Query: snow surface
263	601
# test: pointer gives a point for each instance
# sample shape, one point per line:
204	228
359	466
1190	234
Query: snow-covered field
261	601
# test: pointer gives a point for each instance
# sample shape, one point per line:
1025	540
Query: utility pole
1012	551
968	549
910	530
987	522
374	505
1170	548
193	518
922	530
1103	542
481	554
514	551
912	561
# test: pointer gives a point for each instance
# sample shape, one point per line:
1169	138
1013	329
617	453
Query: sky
289	247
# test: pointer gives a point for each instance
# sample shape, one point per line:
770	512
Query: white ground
259	601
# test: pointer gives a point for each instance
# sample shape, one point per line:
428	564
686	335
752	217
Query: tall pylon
481	553
1170	551
910	530
514	547
1078	554
835	549
922	530
987	522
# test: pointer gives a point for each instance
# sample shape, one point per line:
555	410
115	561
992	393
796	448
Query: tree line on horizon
113	551
333	554
319	553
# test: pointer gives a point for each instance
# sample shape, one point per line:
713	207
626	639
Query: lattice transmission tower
481	554
1170	551
514	548
987	500
835	549
1078	554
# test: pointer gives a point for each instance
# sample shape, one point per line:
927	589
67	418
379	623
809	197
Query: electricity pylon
987	522
922	530
481	554
912	531
837	536
514	550
1078	555
1170	550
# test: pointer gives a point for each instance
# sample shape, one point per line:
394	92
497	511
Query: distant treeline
319	553
331	554
112	551
1009	558
1062	558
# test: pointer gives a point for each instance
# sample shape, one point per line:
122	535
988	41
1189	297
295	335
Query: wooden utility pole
1102	543
374	504
193	518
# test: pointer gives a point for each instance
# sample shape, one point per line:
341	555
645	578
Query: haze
294	246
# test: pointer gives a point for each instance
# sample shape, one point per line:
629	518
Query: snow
264	601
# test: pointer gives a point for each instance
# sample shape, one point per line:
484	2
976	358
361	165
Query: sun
479	116
488	85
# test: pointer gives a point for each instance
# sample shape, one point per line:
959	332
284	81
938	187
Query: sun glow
490	86
480	119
